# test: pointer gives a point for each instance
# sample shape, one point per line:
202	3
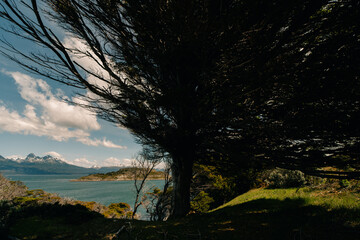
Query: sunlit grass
309	197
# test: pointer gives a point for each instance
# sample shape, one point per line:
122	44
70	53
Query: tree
316	109
143	165
153	59
303	105
196	78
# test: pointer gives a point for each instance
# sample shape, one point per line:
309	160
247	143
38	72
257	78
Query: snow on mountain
32	164
32	158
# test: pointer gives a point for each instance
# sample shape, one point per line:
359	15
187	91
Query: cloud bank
47	114
84	162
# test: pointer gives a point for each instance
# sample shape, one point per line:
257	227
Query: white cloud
55	155
87	59
48	115
59	156
112	161
15	157
83	162
31	124
125	162
96	142
78	48
38	92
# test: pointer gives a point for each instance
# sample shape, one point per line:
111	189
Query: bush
201	203
158	204
11	189
208	180
345	183
283	178
118	210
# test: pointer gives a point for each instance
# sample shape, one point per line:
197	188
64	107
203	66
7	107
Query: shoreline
110	180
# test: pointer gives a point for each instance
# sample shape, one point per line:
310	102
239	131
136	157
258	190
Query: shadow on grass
265	219
259	219
54	221
281	219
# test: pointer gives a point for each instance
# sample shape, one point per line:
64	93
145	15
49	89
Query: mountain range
33	164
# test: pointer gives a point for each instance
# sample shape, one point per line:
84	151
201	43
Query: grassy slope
258	214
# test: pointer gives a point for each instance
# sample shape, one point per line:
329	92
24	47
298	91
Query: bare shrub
11	189
284	178
158	203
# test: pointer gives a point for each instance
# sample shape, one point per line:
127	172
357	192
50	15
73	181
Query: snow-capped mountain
32	158
33	164
48	164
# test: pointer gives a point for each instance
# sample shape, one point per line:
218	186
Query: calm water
101	192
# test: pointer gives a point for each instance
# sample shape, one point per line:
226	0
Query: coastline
125	174
110	180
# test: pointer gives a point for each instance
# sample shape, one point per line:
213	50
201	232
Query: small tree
143	165
158	203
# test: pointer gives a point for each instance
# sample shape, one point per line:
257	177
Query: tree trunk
181	176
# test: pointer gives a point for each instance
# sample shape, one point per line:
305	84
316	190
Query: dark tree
196	78
299	62
315	108
155	60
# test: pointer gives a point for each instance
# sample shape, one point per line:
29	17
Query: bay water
104	192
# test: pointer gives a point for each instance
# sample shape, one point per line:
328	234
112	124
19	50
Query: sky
34	118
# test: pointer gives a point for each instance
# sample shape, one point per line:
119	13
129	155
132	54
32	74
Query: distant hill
123	174
106	169
33	164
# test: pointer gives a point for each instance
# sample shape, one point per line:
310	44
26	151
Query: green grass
308	197
292	214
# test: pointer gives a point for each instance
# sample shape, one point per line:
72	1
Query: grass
330	200
258	214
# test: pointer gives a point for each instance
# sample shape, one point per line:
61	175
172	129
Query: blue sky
35	119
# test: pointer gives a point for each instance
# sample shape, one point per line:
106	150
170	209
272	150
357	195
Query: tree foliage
301	107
